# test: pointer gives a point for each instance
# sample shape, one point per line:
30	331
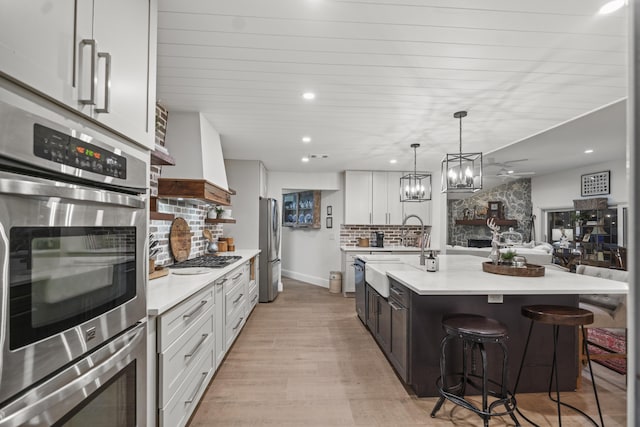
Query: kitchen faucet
404	221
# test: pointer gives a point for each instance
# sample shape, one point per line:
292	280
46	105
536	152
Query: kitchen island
409	332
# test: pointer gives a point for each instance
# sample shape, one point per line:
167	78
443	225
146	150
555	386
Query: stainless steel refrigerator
269	242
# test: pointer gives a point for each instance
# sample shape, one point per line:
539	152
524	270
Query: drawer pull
238	324
221	282
255	297
238	299
236	276
395	291
193	397
195	310
395	306
197	347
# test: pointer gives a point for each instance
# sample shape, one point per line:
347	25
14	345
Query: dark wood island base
417	360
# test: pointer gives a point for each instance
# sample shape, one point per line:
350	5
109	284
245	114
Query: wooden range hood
198	189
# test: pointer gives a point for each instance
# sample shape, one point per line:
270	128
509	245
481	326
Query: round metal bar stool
475	331
559	315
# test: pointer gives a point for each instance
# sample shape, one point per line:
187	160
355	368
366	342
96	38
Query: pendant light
415	187
461	172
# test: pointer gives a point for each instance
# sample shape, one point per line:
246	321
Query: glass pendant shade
415	187
461	172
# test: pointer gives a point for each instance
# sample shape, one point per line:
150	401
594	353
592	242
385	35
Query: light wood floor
306	360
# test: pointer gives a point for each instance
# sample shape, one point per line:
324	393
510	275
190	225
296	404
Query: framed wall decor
596	183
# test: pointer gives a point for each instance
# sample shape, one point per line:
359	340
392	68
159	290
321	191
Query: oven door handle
26	188
40	399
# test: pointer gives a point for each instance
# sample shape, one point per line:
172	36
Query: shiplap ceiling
387	74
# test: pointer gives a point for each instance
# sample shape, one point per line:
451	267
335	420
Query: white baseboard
318	281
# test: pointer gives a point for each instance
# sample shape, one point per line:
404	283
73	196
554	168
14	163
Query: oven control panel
58	147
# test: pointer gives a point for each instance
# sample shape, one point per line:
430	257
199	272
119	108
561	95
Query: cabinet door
372	310
125	37
219	317
379	198
394	206
357	197
384	324
37	45
399	344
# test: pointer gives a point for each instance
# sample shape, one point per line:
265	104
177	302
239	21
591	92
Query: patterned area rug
603	341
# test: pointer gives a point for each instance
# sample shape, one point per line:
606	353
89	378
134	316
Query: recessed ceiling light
305	159
306	139
589	151
393	161
611	6
309	96
510	171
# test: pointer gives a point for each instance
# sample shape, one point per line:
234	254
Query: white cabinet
372	198
186	359
235	300
219	315
88	55
387	208
358	197
348	273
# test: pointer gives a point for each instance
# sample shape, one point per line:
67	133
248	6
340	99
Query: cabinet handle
107	82
197	347
238	324
221	282
238	299
395	306
236	276
92	94
195	310
195	393
255	297
397	292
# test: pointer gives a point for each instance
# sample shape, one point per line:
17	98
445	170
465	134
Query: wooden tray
531	270
180	239
158	272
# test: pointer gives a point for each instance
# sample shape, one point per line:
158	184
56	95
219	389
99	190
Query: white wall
244	177
558	190
310	254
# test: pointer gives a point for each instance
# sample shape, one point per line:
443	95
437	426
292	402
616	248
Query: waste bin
335	282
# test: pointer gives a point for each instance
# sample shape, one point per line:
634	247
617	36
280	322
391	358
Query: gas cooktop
209	261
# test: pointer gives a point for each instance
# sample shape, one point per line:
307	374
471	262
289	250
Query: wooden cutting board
180	239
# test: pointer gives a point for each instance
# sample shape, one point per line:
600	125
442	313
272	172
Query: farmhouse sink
375	274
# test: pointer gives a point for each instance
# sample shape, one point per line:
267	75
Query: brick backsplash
193	211
349	234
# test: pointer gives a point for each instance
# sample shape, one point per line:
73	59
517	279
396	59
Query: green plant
219	210
508	255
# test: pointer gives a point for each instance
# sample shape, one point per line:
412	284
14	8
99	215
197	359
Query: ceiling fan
510	173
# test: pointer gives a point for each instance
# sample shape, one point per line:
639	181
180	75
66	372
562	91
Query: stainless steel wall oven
72	267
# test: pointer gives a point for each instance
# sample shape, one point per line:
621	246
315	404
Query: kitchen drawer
399	293
176	321
253	295
234	299
237	276
234	326
177	412
184	355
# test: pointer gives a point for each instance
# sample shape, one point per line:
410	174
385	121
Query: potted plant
507	256
219	211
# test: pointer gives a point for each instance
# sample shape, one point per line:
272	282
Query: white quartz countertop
383	249
165	292
463	275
